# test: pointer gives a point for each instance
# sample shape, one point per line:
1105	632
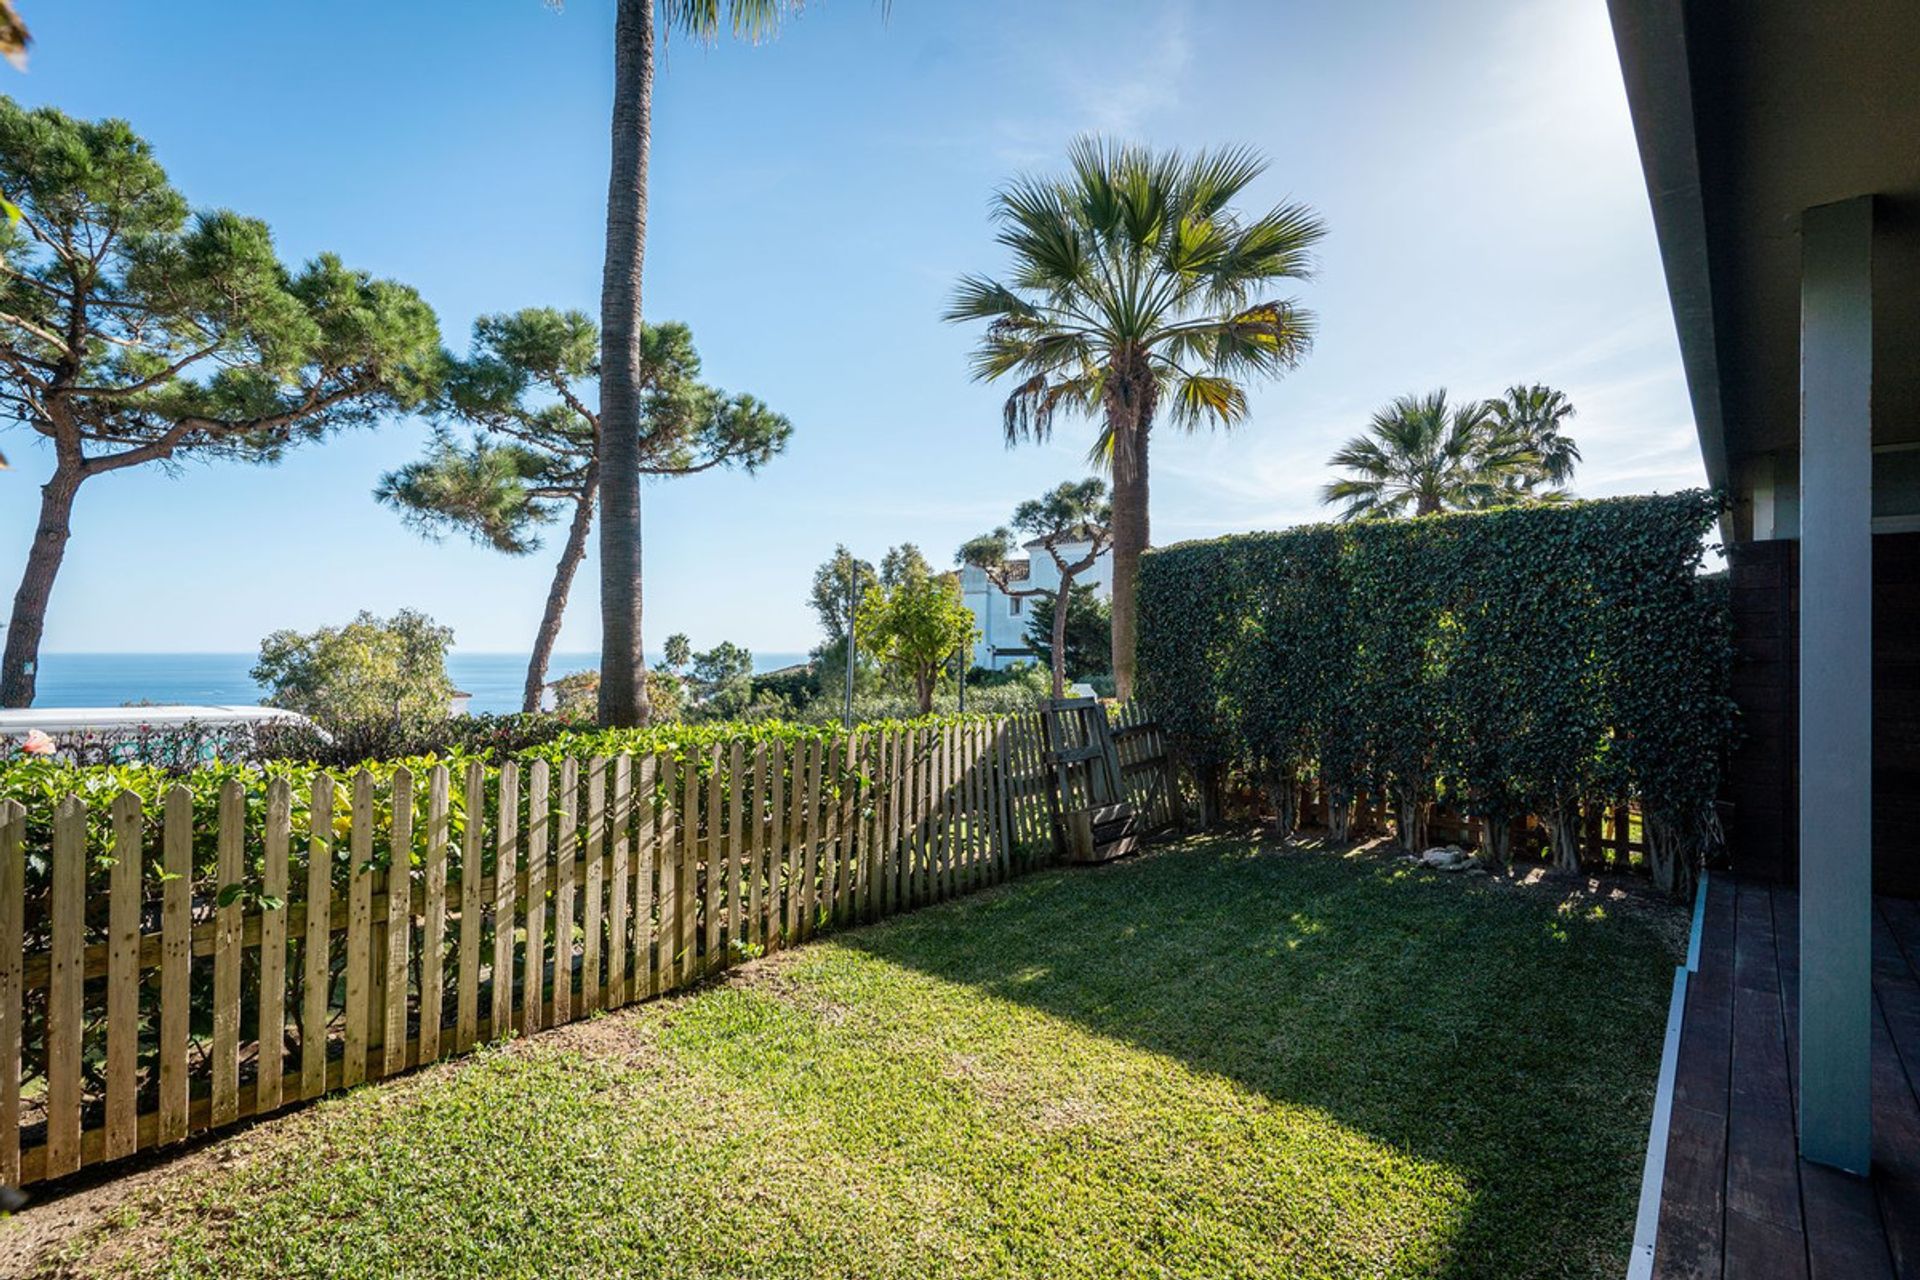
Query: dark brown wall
1896	713
1763	815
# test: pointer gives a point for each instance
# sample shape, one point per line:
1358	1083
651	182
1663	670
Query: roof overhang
1747	114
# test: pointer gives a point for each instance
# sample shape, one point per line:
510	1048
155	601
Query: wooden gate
1093	821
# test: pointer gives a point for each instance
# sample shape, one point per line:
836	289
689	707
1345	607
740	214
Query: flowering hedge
1516	661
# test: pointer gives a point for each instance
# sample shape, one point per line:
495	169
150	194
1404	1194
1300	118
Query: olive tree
1076	516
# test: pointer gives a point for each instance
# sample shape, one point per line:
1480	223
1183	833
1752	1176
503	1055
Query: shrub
1514	661
371	668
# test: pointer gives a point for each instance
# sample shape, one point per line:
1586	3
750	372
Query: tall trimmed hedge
1526	660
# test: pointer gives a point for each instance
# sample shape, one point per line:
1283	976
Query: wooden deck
1736	1199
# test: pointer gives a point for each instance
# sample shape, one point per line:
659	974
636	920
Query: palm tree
623	685
1419	454
1136	285
1536	414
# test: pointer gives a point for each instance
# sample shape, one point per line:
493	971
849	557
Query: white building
1002	618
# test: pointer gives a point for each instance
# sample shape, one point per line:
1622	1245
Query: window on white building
1013	605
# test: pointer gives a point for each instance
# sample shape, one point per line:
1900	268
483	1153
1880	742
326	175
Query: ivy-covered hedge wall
1519	661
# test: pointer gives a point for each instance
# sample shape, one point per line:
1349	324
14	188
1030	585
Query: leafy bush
1515	661
576	695
371	668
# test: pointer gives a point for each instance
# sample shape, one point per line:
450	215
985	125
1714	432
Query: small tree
1089	632
1073	515
832	583
392	669
134	333
723	675
523	390
914	626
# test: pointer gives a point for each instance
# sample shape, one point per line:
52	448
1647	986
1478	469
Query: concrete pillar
1836	685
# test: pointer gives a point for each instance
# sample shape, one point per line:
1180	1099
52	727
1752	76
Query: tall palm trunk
571	555
20	665
623	684
1130	537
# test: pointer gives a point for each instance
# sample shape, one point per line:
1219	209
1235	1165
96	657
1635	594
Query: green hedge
1526	660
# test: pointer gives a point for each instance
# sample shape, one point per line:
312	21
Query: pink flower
37	744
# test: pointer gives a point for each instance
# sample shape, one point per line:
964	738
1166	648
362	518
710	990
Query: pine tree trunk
549	634
1059	654
1131	536
19	668
623	681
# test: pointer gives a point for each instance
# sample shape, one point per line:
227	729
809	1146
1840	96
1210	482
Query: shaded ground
1214	1061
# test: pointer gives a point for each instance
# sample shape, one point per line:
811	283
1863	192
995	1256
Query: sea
220	679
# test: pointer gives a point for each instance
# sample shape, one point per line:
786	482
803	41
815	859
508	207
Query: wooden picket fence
392	928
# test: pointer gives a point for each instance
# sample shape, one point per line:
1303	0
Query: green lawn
1215	1061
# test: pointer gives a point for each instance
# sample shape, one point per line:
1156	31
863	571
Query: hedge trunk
1562	822
623	681
1410	822
19	667
1283	794
1339	814
1496	841
1211	782
571	555
1668	857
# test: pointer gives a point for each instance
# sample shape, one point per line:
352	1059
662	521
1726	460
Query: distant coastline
220	679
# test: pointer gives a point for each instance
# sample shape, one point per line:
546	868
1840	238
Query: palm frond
1131	281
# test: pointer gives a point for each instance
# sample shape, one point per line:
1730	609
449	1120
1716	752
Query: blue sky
813	200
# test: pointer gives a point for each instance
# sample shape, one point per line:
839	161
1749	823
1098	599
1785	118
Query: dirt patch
105	1212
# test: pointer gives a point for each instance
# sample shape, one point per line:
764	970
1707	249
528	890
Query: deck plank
1758	1249
1896	1143
1692	1210
1689	1241
1786	940
1763	1180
